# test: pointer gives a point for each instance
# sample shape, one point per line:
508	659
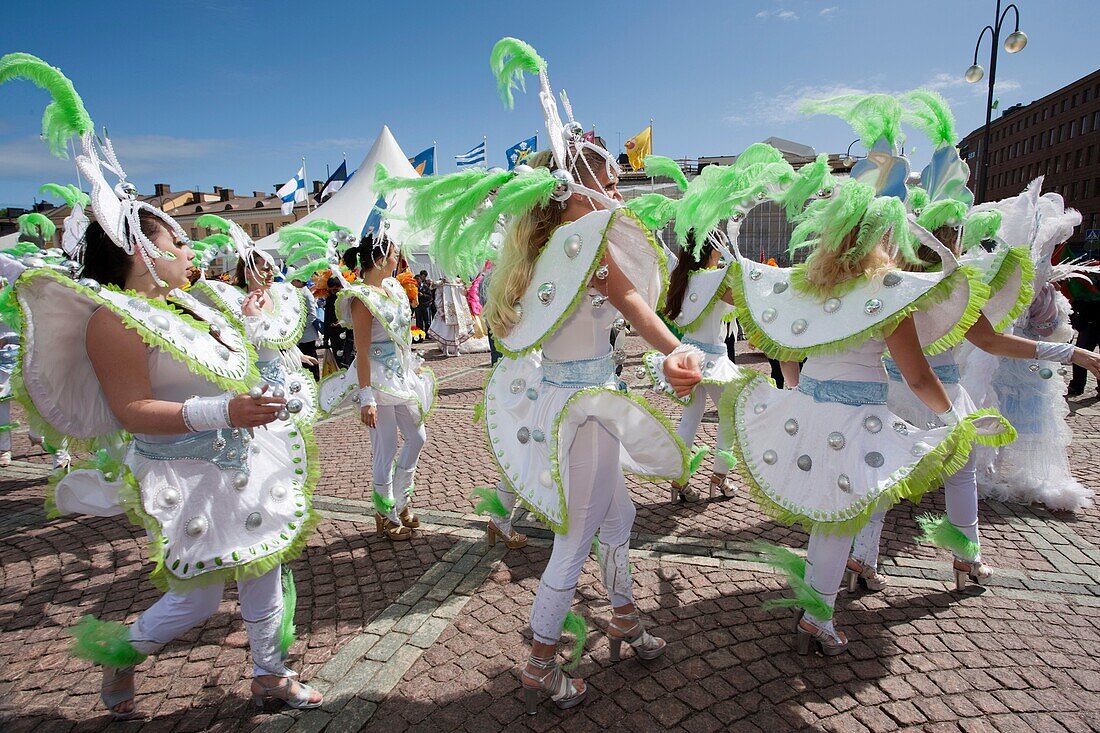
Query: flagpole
651	136
485	142
306	176
435	158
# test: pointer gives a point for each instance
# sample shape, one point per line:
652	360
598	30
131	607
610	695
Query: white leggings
5	418
960	493
598	500
826	558
383	440
261	607
693	417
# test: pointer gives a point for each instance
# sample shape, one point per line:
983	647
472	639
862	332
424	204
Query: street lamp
1014	43
848	159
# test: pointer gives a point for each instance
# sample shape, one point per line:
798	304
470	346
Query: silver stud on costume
844	483
791	426
295	387
523	435
278	493
901	428
832	305
573	246
532	394
240	481
294	406
253	521
760	407
872	424
755	274
537	435
160	321
874	459
891	279
768	315
1046	373
693	297
195	526
602	272
799	327
168	498
770	457
598	301
872	306
835	440
780	287
90	283
804	462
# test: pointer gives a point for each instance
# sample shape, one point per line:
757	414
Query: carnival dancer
560	426
453	324
942	205
273	314
829	455
123	349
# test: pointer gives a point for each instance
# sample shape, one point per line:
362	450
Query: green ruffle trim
793	567
489	502
130	499
941	291
233	312
8	427
106	643
148	337
714	298
926	474
1001	272
575	624
940	532
662	271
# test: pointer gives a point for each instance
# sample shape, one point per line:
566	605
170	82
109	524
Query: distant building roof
791	147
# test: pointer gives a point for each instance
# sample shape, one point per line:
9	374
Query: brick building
1058	137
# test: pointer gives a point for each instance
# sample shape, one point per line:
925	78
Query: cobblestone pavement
429	635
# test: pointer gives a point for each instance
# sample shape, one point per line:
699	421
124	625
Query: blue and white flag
334	183
373	225
293	191
521	151
424	162
476	156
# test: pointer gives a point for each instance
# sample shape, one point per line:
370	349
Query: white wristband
1050	351
687	349
950	417
365	397
206	413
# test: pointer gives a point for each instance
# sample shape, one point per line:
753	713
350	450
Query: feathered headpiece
76	223
945	199
116	207
240	243
314	246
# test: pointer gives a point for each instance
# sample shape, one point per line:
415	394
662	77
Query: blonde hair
948	236
827	268
524	240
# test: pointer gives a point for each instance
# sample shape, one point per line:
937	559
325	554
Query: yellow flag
638	147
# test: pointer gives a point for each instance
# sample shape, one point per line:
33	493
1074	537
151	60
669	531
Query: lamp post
1013	44
848	160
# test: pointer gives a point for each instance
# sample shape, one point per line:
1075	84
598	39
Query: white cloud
780	14
826	12
786	15
784	107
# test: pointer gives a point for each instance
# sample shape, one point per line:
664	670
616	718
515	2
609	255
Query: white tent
351	205
9	240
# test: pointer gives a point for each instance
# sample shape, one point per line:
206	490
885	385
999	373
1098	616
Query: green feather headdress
812	179
874	117
980	226
854	207
68	193
917	199
658	166
36	225
929	112
945	212
654	209
508	60
314	246
65	116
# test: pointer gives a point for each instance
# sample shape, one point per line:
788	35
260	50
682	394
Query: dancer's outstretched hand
368	415
1087	359
682	373
246	411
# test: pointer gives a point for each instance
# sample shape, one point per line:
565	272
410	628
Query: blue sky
204	93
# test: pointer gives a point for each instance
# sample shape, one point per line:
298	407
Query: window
1087	94
1074	103
1084	124
1073	129
1096	120
269	228
1065	103
255	230
1058	164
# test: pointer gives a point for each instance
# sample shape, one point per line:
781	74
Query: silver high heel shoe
810	635
858	574
645	645
113	698
721	482
684	493
564	691
299	700
975	571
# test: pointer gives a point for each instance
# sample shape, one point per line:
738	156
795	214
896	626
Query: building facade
1057	137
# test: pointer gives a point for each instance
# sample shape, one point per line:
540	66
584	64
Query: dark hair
368	253
948	236
240	276
106	262
686	265
333	282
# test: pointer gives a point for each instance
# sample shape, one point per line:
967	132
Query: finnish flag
476	156
293	191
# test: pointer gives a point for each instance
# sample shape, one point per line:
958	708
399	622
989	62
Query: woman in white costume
559	426
124	349
453	324
273	315
941	206
829	455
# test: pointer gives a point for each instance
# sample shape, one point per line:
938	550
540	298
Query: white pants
693	417
261	607
960	493
5	418
826	558
598	501
383	440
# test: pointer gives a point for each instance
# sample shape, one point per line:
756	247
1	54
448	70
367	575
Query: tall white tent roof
351	205
9	240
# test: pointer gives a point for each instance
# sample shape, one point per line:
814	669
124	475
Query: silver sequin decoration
693	297
799	327
573	246
768	315
891	279
218	444
872	306
295	387
755	274
598	301
523	434
874	459
832	305
804	462
1033	367
872	424
901	428
639	372
602	272
253	521
844	483
770	457
780	287
760	407
835	440
195	526
517	386
791	426
546	293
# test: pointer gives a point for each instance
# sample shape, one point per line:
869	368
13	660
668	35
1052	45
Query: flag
374	221
638	147
334	183
476	156
590	136
521	151
424	162
293	191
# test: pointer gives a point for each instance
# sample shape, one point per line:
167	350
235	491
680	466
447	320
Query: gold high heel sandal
858	574
390	529
645	645
408	519
565	692
513	541
976	571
